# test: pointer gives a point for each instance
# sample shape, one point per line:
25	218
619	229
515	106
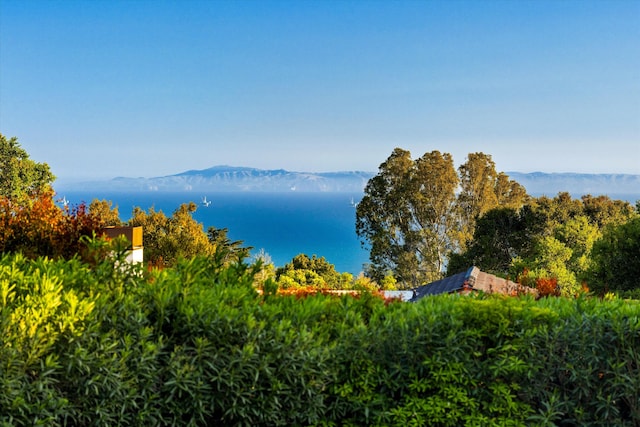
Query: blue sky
151	88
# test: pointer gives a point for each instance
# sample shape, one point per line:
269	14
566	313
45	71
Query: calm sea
282	224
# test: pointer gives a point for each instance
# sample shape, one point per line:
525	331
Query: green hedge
195	345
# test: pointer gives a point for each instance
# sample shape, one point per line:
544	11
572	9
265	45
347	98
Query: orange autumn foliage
36	226
547	286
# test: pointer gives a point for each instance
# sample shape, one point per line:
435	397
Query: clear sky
152	88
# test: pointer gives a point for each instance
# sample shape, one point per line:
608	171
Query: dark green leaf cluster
19	175
591	240
616	257
111	344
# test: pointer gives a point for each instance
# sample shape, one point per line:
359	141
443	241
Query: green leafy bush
107	344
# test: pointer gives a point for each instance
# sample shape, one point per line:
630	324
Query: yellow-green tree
104	212
169	239
315	272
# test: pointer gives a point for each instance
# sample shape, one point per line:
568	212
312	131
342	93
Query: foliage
500	235
616	259
549	238
389	283
38	227
406	216
602	211
232	250
166	240
563	250
266	271
413	221
364	283
578	234
547	286
19	175
551	261
315	272
196	345
169	239
482	189
176	348
104	212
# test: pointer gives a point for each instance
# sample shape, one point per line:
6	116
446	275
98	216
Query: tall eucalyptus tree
482	188
407	217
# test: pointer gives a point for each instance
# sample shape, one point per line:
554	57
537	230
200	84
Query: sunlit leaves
405	216
36	226
195	344
180	236
19	175
418	215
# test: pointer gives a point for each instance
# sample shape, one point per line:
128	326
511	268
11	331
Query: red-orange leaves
36	226
547	286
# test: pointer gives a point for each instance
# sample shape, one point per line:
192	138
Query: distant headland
233	178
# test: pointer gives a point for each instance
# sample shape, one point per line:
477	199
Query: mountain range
230	178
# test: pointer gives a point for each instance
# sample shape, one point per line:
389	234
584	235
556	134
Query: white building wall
134	256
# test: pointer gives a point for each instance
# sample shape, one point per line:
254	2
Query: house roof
443	286
471	280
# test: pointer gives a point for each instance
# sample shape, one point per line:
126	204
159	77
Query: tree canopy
316	273
311	271
550	239
38	227
416	213
482	188
407	216
19	175
616	259
169	239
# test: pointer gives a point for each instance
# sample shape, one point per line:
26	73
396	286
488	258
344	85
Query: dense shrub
36	226
616	259
111	344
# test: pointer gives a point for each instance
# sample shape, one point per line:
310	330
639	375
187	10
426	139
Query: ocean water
282	224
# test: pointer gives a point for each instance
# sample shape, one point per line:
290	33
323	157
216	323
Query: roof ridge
472	275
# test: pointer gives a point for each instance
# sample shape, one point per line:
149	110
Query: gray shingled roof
447	285
473	279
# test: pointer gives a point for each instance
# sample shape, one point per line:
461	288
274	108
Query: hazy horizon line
78	178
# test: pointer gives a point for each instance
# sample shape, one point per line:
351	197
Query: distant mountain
550	184
229	178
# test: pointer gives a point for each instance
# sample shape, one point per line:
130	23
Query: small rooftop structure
472	280
133	235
